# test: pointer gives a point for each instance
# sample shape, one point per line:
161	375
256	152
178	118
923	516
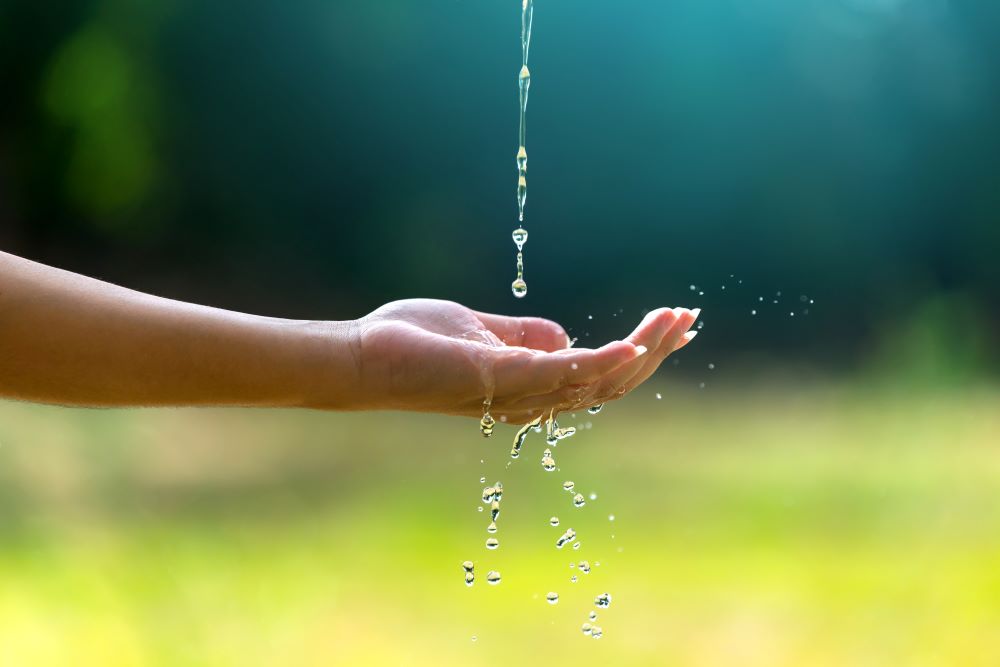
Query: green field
836	525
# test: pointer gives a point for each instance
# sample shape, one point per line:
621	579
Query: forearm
68	339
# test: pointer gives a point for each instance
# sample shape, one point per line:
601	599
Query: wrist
329	371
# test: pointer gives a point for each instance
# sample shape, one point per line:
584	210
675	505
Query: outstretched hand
439	356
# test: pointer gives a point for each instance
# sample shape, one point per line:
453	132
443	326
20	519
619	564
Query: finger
522	372
533	332
649	333
685	339
670	342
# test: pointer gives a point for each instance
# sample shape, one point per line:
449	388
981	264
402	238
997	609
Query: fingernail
690	335
640	350
696	312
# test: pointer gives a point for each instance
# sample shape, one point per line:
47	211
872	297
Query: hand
439	356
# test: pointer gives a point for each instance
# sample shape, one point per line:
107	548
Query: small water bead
488	493
482	480
479	509
576	545
659	396
548	463
611	517
711	367
552	598
522	165
603	600
593	496
753	312
468	566
492	543
554	521
563	433
497	491
494	510
595	409
584	567
492	528
568	536
568	486
586	628
573	579
597	632
493	577
520	235
578	500
592	616
470	578
519	288
486	425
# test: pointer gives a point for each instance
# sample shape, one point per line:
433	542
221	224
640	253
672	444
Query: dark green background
315	159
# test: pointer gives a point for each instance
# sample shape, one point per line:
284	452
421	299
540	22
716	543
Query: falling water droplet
568	536
603	600
597	632
492	528
493	577
586	628
584	566
554	521
519	289
492	543
595	409
552	598
568	486
578	500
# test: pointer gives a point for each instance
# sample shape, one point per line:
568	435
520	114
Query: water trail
520	236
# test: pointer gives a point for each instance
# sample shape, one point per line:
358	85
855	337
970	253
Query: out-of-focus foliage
316	159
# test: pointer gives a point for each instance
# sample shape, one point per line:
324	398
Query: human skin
72	340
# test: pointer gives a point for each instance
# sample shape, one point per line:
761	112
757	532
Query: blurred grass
825	526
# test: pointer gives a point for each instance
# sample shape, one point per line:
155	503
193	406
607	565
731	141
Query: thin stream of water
520	236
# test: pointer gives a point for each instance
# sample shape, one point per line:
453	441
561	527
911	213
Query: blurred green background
819	175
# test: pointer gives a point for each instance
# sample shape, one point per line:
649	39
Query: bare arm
73	340
69	339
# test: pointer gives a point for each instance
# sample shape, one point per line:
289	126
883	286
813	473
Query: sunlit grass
822	527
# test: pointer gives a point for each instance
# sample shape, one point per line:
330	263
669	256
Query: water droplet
576	545
563	433
497	491
584	566
474	638
568	536
492	543
592	616
573	579
554	521
578	500
568	486
468	566
595	409
597	632
590	317
659	395
753	312
611	517
493	577
593	496
486	425
711	367
492	528
470	578
520	235
488	494
494	510
586	628
519	288
603	600
482	480
480	508
552	598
